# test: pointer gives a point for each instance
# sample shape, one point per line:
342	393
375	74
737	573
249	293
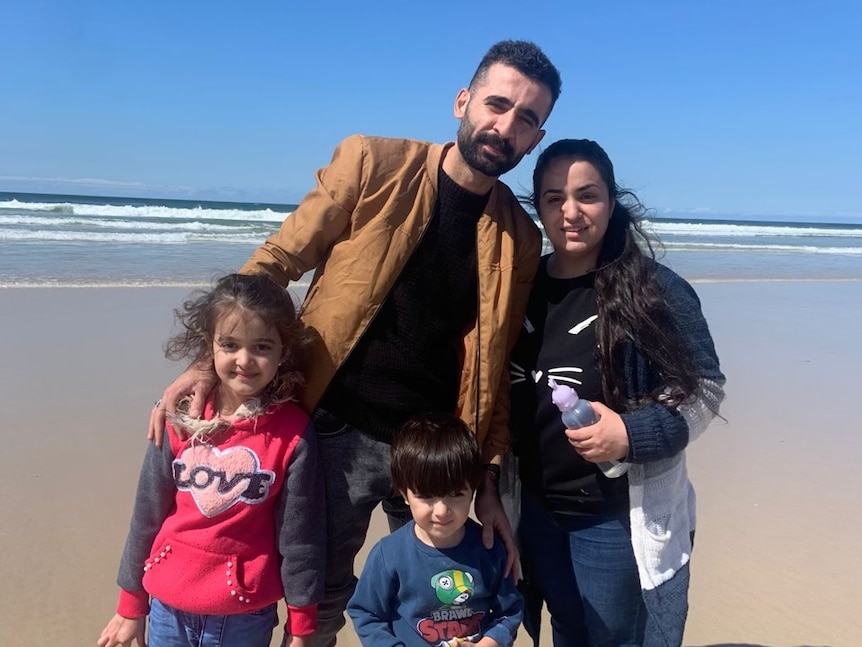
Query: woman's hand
607	440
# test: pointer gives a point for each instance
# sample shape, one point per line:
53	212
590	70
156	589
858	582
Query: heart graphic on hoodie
219	479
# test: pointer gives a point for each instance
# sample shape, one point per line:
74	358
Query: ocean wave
59	208
730	247
748	231
145	211
139	225
162	238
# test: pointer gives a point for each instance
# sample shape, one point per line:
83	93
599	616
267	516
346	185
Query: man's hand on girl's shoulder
195	382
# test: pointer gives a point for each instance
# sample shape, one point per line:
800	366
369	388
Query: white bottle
577	413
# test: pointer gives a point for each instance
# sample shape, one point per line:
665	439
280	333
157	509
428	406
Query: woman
609	556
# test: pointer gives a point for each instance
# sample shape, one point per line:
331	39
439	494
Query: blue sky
741	108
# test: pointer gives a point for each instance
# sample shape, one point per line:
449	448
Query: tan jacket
359	226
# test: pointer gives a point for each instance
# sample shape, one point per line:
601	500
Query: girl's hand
295	641
121	631
607	440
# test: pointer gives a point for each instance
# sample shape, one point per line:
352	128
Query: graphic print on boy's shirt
452	622
218	479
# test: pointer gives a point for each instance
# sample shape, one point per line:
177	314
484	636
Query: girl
229	514
609	556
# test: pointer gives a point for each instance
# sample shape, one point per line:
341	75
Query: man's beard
470	145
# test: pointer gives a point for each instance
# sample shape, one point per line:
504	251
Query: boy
433	582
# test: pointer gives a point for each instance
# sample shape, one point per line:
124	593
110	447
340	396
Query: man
423	261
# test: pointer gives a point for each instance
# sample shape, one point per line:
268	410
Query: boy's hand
122	631
482	642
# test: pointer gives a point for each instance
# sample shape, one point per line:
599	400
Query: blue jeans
357	479
169	627
585	570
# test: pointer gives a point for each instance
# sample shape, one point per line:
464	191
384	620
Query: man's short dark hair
527	58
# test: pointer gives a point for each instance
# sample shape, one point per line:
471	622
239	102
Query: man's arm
301	244
489	508
490	513
528	252
306	236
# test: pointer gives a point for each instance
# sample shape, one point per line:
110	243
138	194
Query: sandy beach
777	561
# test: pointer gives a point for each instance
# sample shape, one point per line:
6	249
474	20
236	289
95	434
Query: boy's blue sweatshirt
413	594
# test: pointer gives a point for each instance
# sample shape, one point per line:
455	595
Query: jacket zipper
478	352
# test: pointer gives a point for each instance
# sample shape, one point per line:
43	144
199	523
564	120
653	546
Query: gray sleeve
301	525
154	500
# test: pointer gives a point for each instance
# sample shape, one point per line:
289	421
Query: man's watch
494	469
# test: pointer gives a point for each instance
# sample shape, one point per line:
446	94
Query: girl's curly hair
256	295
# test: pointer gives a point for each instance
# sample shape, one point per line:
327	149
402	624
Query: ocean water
62	240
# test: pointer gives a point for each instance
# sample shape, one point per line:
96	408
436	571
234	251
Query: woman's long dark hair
631	306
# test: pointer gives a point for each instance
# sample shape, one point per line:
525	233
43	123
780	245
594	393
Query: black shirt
409	359
559	341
